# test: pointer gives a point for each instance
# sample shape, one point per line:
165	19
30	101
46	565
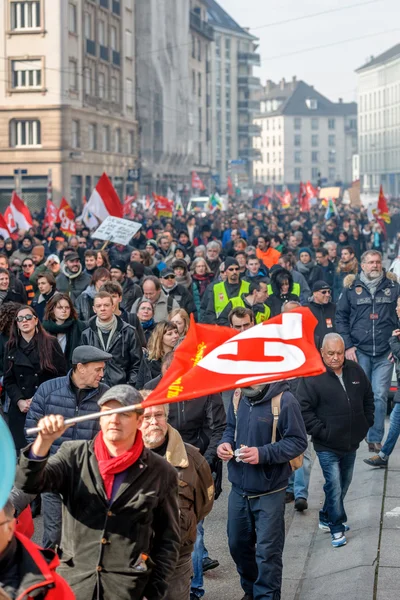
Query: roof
293	96
218	17
387	56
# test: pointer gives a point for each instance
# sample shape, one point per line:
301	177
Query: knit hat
38	251
306	250
120	266
230	261
152	243
180	263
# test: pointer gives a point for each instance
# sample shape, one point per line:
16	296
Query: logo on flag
66	217
197	183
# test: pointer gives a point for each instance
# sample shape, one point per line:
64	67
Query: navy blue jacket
364	321
57	397
253	425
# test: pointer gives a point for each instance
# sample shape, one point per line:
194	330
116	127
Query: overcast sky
330	70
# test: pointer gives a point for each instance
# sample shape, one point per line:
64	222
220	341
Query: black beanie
230	261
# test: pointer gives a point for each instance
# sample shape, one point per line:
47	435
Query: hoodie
72	283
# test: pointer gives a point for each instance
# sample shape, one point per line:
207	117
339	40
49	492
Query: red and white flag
20	213
197	183
103	203
212	359
11	224
4	231
66	218
51	214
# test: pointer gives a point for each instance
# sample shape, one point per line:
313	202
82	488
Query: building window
314	173
25	133
194	83
118	141
87	25
200	120
102	33
26	74
331	123
217	46
128	44
131	142
129	93
227	49
312	103
199	86
76	134
113	38
332	174
25	15
92	136
297	174
72	17
314	141
314	156
193	47
87	81
331	141
73	75
314	124
114	90
297	140
297	156
102	86
199	49
106	138
332	156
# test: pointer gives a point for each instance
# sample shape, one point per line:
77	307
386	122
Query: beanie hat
305	250
230	261
180	263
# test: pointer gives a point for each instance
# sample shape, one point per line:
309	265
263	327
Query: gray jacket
162	307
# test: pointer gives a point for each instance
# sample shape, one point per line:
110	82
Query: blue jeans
338	473
300	479
379	371
199	552
256	535
394	432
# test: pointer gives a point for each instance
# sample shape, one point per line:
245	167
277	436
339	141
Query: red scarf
110	465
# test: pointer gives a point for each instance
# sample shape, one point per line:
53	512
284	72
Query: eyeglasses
156	417
24	318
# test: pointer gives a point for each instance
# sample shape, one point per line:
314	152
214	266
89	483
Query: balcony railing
91	47
104	54
249	58
202	27
116	58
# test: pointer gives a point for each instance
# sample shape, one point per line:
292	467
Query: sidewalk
368	567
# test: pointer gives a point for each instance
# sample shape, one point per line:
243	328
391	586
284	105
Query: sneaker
325	527
209	564
300	504
338	539
289	497
376	461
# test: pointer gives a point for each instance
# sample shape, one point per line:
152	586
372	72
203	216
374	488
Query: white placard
116	230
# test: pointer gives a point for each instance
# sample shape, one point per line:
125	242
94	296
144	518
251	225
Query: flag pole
97	415
104	246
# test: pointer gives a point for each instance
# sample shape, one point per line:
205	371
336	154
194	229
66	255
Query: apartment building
234	97
67	101
378	94
303	136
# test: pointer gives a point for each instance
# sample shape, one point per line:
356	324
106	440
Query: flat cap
125	394
88	354
72	256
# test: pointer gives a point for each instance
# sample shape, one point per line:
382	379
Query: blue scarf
147	324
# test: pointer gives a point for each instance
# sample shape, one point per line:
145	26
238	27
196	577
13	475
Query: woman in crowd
307	267
163	340
46	284
9	247
32	357
102	259
181	319
182	274
145	313
202	276
281	287
8	313
84	304
200	252
135	271
61	321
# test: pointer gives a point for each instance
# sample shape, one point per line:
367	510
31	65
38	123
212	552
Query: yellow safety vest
221	299
263	316
295	289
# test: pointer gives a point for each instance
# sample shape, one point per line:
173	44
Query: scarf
3	294
348	267
202	282
110	328
186	280
305	269
55	328
110	465
147	324
371	284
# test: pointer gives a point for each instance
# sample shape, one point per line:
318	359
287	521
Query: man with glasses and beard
324	310
72	280
226	295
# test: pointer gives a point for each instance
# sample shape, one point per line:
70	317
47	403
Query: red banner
163	206
51	214
66	217
197	183
212	359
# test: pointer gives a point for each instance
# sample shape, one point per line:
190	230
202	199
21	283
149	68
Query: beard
154	437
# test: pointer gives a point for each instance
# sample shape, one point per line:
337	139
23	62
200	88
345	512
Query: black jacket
149	369
131	291
184	298
337	420
73	285
325	315
126	351
364	321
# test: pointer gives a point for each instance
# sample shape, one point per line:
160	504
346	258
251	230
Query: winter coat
126	351
337	420
311	272
59	397
394	344
149	368
162	307
343	269
73	333
364	321
39	303
131	291
72	284
325	315
252	426
107	541
84	304
37	573
196	487
184	299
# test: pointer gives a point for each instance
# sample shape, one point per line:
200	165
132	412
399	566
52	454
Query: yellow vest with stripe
221	299
295	289
263	316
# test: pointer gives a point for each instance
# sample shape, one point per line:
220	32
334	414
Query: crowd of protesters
85	324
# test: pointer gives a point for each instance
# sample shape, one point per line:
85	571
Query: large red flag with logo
197	183
51	214
383	209
66	217
164	207
212	359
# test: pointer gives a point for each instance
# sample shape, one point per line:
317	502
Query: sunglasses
325	291
170	277
27	266
24	318
232	269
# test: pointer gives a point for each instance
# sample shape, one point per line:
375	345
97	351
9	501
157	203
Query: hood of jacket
351	279
68	273
176	453
90	291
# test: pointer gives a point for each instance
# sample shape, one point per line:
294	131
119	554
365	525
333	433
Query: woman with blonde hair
163	339
181	319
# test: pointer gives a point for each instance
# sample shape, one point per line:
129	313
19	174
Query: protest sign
119	231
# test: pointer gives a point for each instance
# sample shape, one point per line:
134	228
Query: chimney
269	84
294	81
340	100
282	83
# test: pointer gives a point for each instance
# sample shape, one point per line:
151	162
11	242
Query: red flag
127	209
66	217
304	200
11	224
212	359
103	202
230	190
197	183
4	231
311	191
164	206
20	212
383	209
51	214
287	199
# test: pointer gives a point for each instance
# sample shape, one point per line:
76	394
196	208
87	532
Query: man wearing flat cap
323	309
71	279
121	515
74	395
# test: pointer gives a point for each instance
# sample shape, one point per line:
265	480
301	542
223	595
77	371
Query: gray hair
332	337
196	262
370	253
213	245
328	245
